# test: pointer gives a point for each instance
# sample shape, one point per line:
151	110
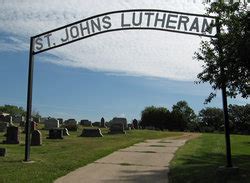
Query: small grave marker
12	135
91	132
56	133
36	138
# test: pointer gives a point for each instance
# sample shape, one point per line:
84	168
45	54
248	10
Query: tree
188	116
211	119
155	116
13	110
239	117
226	59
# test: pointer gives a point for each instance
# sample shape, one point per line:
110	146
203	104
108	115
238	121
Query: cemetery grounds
196	161
57	157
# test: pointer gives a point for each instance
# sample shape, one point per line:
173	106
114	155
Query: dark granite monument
91	132
12	135
36	138
116	128
56	133
86	122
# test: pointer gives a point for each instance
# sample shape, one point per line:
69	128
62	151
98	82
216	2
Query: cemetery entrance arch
135	19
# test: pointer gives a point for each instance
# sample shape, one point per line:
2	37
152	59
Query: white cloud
146	53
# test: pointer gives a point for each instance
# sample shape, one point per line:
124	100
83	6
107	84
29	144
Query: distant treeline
17	111
183	118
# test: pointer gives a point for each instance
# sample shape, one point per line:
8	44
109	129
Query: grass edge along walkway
199	159
56	158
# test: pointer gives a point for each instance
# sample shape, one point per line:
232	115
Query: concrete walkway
145	162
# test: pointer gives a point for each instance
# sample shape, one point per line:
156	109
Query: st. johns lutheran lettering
134	19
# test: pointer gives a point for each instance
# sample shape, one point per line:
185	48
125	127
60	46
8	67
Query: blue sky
114	74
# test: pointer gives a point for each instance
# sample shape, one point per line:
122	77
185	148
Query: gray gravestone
12	136
56	133
51	123
36	138
3	151
86	122
117	128
120	120
91	132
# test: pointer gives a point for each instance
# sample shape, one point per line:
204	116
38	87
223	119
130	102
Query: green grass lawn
198	160
56	158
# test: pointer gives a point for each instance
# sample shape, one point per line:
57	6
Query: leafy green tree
239	117
226	58
189	118
155	116
13	110
211	119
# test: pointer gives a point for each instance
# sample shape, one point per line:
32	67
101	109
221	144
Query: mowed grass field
56	158
199	159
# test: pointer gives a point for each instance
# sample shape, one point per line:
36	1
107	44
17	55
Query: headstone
36	138
12	135
51	123
71	124
56	133
91	132
117	128
96	124
3	126
65	132
103	123
86	122
120	120
3	151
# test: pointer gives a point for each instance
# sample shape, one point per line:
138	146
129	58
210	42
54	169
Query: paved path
145	162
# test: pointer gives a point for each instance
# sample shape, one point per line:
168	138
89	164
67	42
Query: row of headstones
12	135
71	124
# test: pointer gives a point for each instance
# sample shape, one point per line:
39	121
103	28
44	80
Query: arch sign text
124	20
